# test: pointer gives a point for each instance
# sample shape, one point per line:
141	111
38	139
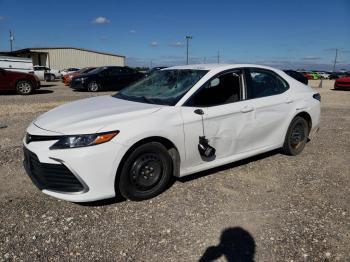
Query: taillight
317	96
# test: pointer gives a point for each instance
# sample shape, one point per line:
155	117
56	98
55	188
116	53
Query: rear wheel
146	172
93	86
24	87
296	137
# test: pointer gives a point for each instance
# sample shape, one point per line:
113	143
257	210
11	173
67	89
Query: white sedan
176	122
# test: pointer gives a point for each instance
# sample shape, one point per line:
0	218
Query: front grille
36	138
55	177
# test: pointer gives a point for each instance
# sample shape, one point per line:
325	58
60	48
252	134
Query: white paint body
237	130
19	64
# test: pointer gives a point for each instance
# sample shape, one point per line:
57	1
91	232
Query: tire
146	172
94	86
24	87
49	77
296	137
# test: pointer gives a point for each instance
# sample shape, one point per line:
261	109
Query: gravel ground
271	207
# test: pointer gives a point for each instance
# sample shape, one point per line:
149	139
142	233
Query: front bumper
341	85
78	174
78	85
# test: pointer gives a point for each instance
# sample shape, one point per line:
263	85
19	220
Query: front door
228	120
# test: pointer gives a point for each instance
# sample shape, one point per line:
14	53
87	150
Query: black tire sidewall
126	187
19	92
288	149
88	86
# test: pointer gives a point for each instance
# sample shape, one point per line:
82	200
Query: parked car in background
176	122
46	74
307	75
336	75
69	70
106	78
315	75
68	77
18	64
298	76
323	75
155	69
22	83
342	83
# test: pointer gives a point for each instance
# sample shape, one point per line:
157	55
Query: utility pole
188	37
11	40
335	59
218	56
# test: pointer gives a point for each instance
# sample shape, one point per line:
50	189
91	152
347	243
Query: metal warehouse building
66	57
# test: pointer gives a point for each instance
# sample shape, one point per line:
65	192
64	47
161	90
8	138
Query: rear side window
261	83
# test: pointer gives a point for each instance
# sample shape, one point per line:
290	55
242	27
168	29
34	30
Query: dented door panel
227	128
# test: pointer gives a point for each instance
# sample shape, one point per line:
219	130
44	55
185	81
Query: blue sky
286	34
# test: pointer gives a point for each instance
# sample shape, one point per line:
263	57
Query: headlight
80	79
83	140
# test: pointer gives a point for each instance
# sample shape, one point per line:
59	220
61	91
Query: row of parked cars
95	79
316	75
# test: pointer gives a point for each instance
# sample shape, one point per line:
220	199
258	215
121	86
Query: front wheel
296	136
24	87
93	86
146	172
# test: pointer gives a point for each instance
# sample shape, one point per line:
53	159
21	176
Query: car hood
89	115
343	79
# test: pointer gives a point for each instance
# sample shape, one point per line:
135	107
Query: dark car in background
155	69
22	83
106	78
336	75
297	76
342	83
68	77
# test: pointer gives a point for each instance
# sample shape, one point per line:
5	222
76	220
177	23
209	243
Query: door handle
199	112
247	109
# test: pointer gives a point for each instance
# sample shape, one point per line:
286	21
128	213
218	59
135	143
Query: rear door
268	93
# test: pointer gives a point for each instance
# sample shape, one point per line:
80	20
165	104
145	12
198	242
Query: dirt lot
271	207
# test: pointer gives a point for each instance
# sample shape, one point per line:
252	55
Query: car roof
217	67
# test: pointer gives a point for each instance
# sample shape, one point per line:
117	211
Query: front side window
261	83
223	89
165	87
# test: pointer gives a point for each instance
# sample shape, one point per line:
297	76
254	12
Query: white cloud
177	44
100	20
154	44
132	31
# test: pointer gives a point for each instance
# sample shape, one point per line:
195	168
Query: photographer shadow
236	244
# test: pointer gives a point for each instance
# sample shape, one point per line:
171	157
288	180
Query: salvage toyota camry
176	122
